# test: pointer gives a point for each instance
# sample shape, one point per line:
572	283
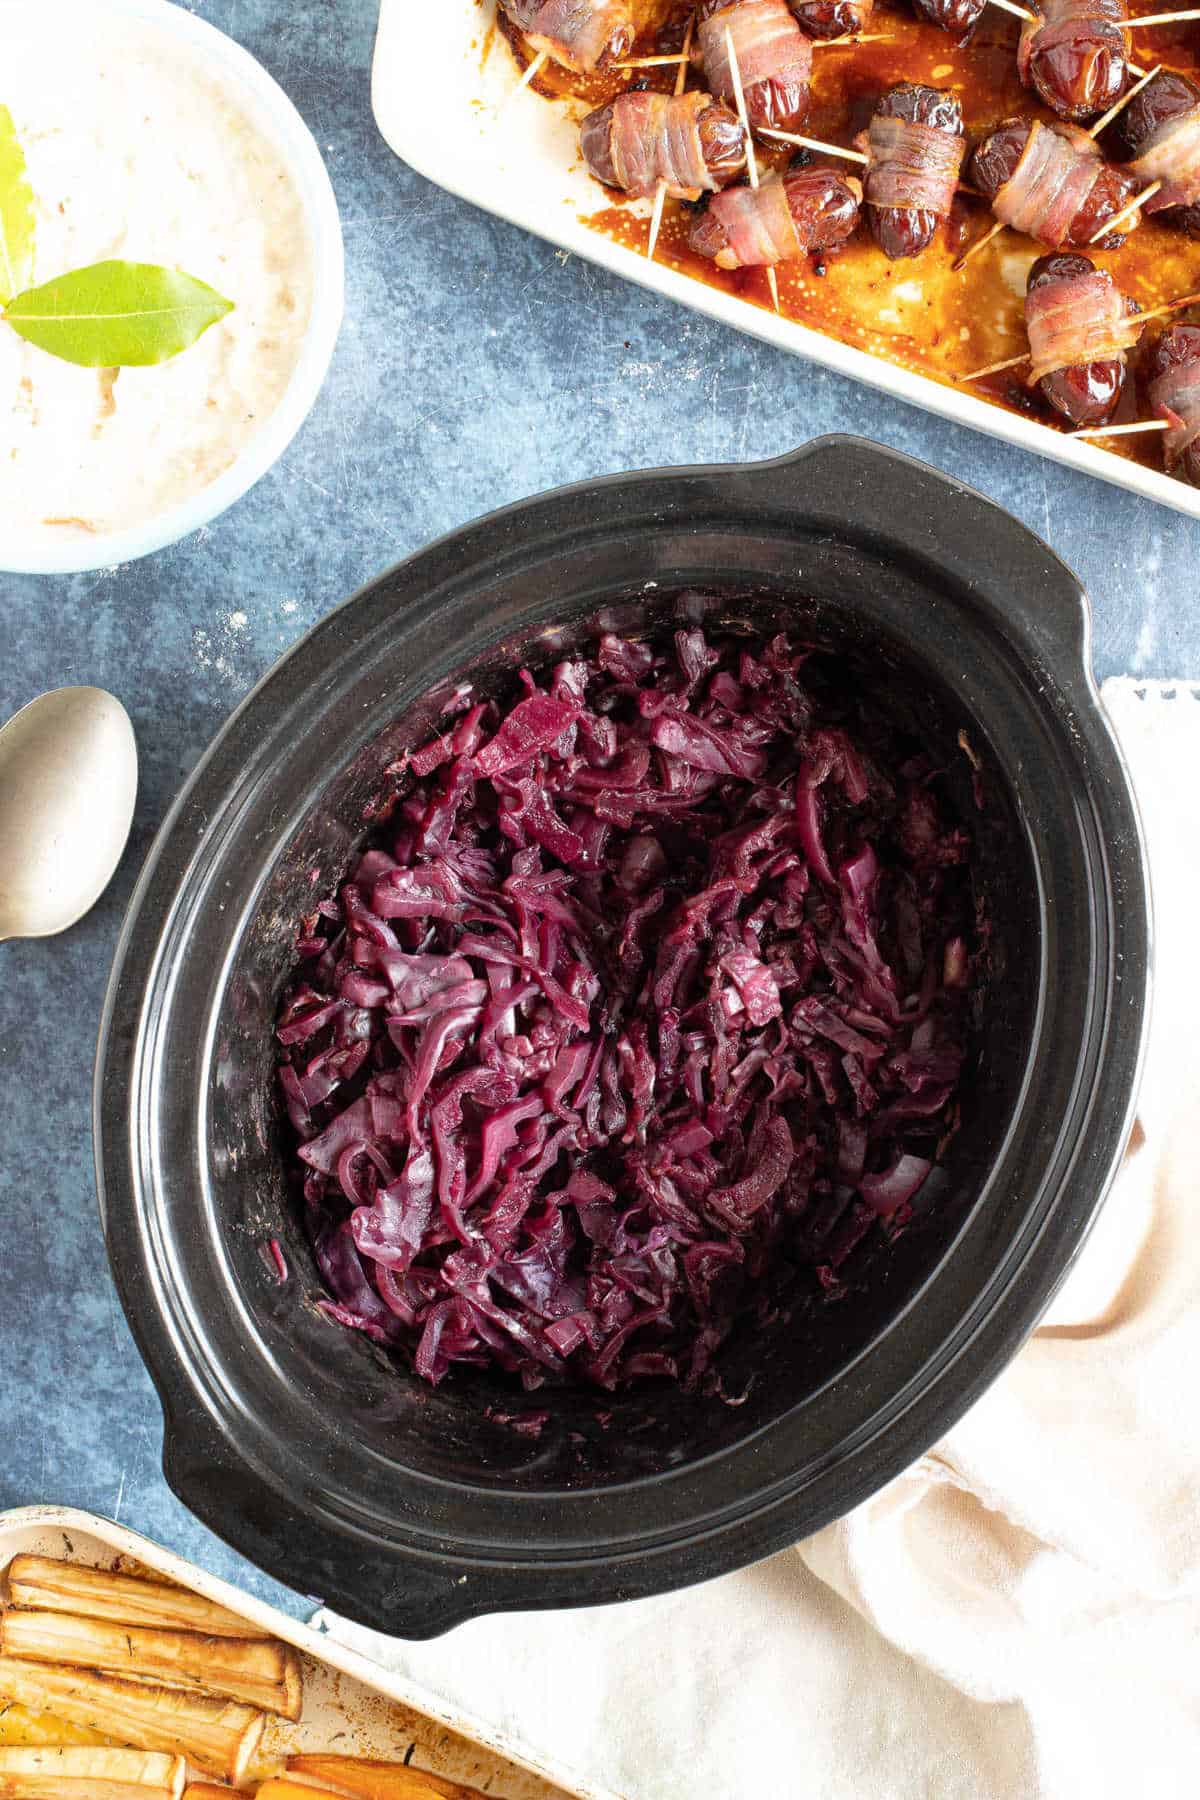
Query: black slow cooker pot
410	1508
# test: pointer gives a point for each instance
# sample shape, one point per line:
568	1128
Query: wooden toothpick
1102	123
1167	18
1170	306
656	219
685	57
1118	219
980	244
533	70
653	62
660	192
993	368
735	75
1019	12
667	62
1119	430
810	143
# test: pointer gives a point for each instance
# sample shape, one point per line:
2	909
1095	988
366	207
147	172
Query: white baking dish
351	1705
460	122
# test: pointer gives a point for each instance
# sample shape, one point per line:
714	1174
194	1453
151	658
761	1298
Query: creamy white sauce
133	153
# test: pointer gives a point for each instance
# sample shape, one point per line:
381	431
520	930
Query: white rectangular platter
351	1705
443	93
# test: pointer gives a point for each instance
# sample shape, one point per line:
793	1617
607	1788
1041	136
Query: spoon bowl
68	782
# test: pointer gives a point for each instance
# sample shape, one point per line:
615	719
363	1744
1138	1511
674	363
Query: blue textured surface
475	367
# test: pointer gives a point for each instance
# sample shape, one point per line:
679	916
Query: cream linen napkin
1017	1617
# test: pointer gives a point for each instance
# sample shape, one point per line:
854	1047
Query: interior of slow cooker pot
596	1438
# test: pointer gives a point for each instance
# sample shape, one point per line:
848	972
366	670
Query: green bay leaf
117	314
16	212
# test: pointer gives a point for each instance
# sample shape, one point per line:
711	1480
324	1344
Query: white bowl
272	114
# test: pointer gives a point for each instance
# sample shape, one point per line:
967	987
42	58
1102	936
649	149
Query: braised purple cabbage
647	1005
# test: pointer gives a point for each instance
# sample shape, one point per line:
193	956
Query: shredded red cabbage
654	985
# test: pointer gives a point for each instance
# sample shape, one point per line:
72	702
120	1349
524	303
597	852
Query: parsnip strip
218	1736
42	1584
370	1778
207	1790
266	1675
55	1787
74	1762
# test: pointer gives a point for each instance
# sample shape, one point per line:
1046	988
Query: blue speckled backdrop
475	367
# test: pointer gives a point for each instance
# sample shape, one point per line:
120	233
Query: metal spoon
68	781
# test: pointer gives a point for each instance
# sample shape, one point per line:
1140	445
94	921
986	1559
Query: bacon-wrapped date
834	18
1074	54
774	59
786	217
1051	182
1080	326
689	141
915	145
1160	130
957	18
1173	376
581	34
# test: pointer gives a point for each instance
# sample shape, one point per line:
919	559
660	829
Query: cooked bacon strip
1175	397
1077	320
1059	167
759	226
785	217
656	137
767	43
914	168
1070	22
580	34
1172	157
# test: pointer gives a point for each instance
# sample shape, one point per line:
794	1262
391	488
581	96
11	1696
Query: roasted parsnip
76	1762
264	1674
216	1735
59	1787
85	1773
43	1584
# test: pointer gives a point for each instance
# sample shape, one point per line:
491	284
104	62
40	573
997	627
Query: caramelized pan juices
937	295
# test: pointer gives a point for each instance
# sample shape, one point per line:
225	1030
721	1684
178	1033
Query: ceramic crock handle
871	492
380	1586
